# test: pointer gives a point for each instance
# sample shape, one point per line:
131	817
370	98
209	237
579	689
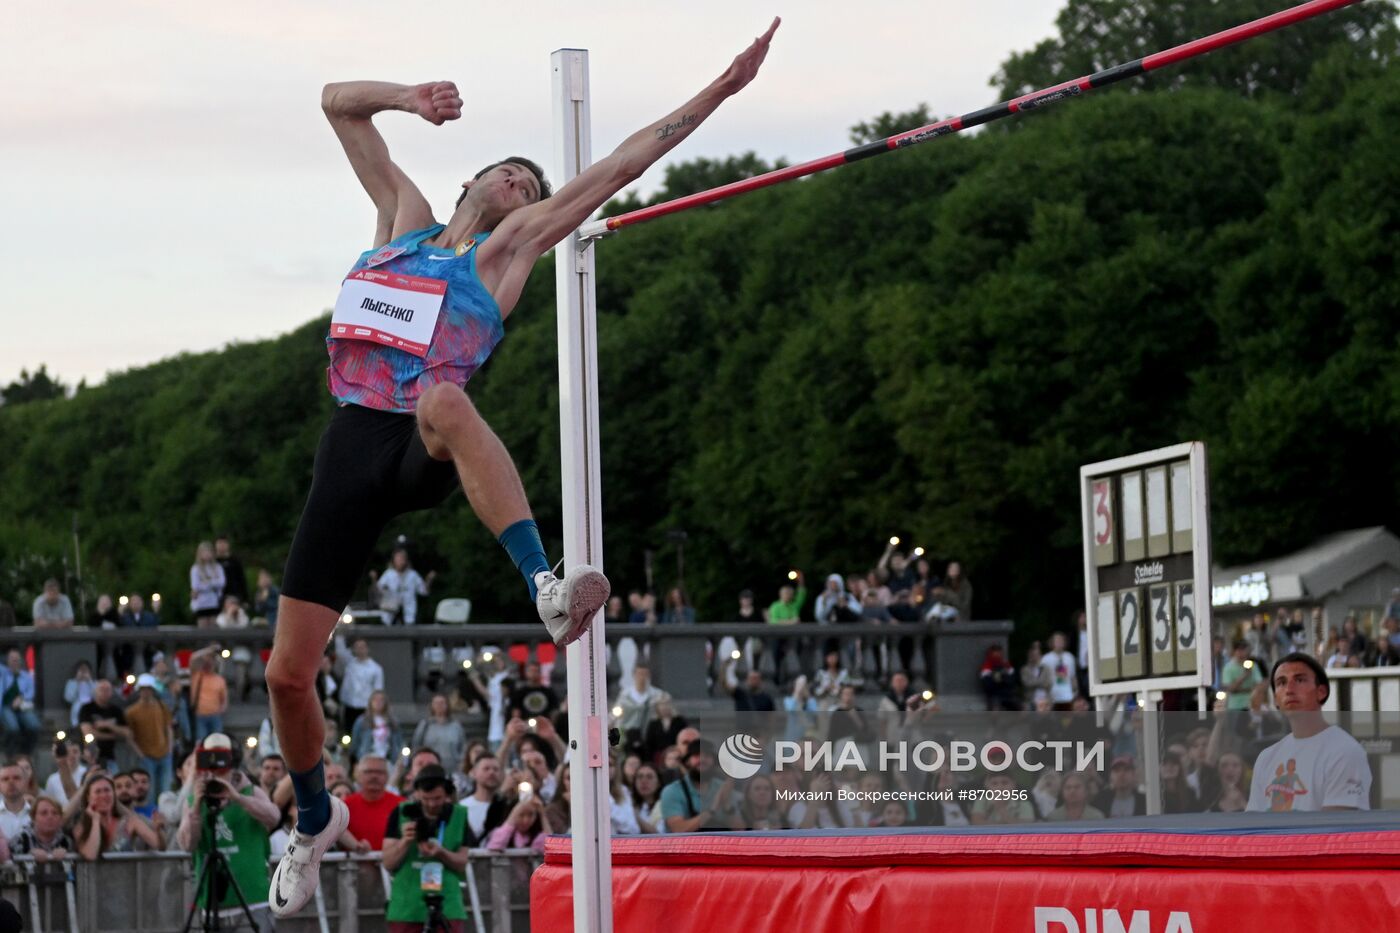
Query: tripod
435	922
215	878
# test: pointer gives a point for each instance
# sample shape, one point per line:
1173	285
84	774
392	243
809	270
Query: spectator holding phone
69	771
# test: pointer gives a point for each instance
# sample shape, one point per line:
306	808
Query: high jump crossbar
1032	101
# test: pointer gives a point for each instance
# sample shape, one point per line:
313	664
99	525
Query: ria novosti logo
740	756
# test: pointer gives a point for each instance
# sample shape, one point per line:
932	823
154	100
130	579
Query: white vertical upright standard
583	513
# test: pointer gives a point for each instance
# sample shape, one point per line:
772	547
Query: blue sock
522	543
313	803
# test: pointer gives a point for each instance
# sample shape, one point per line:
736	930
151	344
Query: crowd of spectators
124	779
511	788
515	789
1270	635
219	598
666	772
899	587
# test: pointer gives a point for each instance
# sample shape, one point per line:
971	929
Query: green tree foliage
36	387
929	344
1098	34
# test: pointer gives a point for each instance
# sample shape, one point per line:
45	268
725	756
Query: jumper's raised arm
350	106
528	233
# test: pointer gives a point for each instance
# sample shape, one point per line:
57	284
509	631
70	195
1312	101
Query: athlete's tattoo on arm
670	129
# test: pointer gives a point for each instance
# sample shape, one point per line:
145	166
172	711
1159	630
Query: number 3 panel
1159	606
1130	633
1104	524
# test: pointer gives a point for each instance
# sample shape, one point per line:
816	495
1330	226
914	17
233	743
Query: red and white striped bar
1032	101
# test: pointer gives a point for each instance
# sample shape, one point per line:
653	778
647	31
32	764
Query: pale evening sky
170	184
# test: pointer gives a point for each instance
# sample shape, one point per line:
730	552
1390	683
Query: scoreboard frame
1141	537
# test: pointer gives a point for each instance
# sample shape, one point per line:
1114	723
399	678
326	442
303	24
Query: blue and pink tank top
374	375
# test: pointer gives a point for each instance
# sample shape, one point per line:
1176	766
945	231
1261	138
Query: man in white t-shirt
486	808
495	690
1060	664
68	777
1316	766
362	676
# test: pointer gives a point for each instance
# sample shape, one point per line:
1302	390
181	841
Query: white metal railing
1364	689
151	892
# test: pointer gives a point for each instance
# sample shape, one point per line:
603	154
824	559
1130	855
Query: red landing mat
1243	877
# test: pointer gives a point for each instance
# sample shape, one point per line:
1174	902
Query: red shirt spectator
371	805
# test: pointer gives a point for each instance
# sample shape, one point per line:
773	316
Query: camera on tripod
214	759
209	760
216	878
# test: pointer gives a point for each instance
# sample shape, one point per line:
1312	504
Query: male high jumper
417	315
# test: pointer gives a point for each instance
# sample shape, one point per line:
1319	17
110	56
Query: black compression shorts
370	466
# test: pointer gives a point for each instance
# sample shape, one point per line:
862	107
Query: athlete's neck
466	221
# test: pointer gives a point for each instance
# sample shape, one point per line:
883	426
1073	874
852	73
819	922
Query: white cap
146	680
216	740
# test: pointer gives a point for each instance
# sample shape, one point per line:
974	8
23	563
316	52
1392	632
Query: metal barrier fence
1364	689
151	892
685	658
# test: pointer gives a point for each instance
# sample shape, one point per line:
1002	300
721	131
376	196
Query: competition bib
387	308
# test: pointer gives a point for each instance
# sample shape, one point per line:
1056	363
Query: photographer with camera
425	852
227	823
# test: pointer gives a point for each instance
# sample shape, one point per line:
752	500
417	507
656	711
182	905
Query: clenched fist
437	102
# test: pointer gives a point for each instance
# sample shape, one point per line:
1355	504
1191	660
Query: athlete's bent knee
442	405
287	675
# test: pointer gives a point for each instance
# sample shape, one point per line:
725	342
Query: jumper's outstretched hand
437	102
747	62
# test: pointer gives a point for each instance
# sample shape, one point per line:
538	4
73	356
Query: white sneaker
567	606
296	877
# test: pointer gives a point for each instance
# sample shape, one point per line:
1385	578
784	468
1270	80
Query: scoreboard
1147	570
